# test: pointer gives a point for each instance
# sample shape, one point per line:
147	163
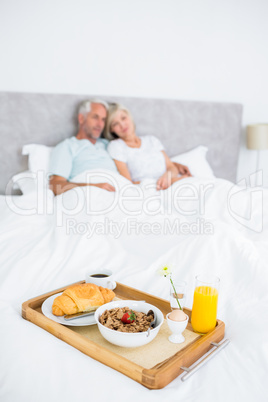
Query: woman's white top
145	162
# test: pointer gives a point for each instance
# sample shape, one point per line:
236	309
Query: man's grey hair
85	107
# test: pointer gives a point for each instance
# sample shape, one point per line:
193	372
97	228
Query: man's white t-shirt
72	157
145	162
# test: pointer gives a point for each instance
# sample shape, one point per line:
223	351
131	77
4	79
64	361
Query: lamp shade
257	136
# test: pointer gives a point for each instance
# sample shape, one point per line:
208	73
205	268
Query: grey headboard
181	125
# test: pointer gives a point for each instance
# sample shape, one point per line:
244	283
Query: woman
137	158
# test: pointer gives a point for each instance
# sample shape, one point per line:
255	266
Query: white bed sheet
38	255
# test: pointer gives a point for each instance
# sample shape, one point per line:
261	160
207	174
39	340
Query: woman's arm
170	165
123	170
168	177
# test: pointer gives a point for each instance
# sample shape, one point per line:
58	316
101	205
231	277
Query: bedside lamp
257	138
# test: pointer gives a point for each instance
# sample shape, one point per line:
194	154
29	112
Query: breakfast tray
164	361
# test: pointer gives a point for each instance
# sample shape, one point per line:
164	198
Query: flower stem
177	298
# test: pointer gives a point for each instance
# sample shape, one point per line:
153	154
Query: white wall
182	49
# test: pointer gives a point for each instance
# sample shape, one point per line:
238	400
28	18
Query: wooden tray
155	377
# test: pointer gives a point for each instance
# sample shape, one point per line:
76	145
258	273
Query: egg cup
177	328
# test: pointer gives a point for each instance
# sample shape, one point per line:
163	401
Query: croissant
79	298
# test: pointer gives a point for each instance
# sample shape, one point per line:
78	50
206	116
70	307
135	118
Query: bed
203	224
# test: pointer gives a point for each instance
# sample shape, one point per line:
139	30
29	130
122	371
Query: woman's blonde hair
113	109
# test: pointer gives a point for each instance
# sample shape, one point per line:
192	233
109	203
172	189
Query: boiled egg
177	315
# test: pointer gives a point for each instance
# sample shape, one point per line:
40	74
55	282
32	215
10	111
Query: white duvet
213	226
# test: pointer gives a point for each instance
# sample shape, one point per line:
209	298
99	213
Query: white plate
78	322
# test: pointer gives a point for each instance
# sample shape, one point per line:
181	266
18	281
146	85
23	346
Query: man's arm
182	169
59	185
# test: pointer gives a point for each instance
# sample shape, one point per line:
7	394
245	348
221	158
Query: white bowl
124	339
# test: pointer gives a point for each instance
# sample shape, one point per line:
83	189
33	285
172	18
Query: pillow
38	157
196	162
25	181
28	182
38	164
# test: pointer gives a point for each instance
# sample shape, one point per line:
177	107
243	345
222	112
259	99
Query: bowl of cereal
129	323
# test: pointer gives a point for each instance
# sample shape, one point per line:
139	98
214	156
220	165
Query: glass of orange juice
204	311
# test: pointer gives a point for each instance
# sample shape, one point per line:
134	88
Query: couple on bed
135	158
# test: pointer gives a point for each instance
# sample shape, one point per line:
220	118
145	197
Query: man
83	152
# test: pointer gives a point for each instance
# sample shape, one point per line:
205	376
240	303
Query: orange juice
204	310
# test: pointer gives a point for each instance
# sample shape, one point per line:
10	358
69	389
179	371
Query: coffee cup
101	277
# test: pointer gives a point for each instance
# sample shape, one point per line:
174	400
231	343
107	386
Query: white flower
164	271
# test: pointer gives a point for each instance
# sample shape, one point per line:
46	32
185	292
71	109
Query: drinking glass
204	311
179	293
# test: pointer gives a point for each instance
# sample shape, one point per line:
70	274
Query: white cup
101	277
